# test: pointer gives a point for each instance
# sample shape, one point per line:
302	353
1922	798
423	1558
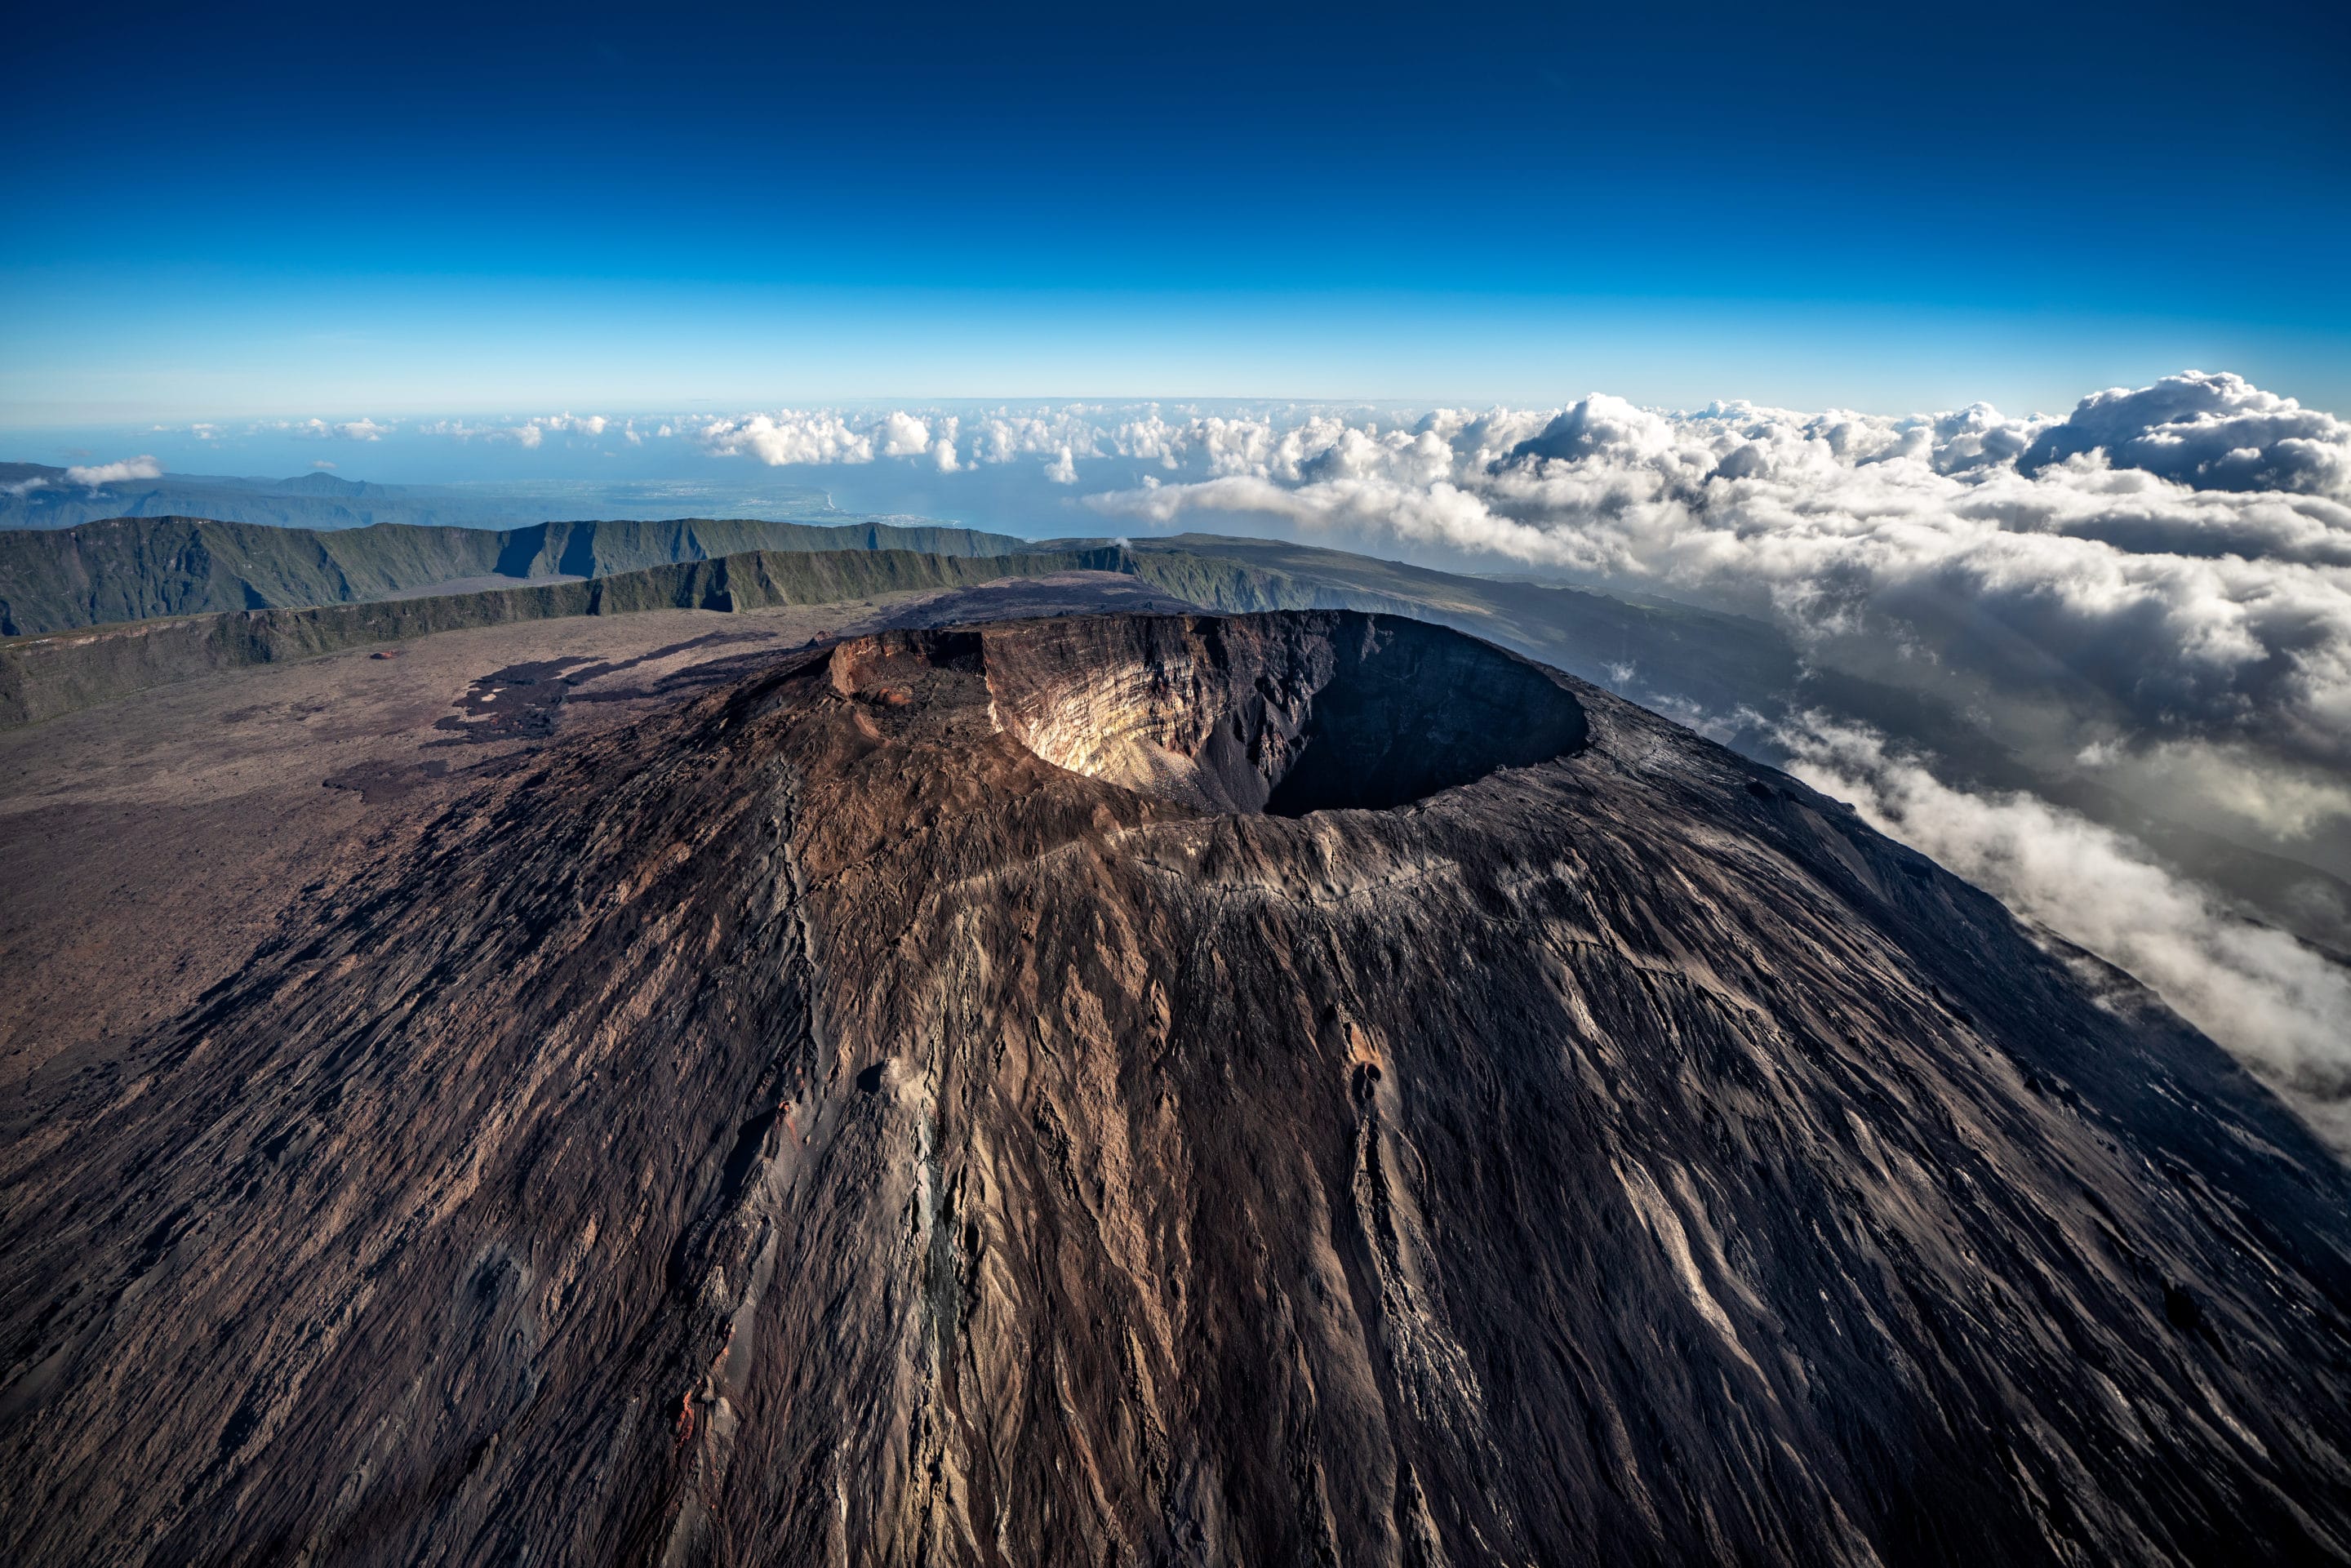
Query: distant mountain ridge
330	485
134	568
41	677
36	495
39	496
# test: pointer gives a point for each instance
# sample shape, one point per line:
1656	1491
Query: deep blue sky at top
344	211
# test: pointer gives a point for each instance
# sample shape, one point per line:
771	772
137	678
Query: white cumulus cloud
100	474
2211	431
952	443
788	438
903	435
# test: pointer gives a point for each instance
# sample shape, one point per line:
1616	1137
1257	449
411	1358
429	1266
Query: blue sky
430	210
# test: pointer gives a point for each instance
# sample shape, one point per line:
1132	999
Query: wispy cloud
336	430
2281	1008
529	433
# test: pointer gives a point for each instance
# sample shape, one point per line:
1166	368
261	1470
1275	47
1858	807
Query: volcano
1293	1088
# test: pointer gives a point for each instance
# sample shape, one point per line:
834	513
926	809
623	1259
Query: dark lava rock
970	1097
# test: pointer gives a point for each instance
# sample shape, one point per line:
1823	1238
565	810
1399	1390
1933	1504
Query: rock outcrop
1293	1088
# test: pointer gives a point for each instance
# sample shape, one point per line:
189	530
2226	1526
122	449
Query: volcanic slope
1294	1088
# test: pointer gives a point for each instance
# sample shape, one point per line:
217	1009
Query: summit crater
1281	715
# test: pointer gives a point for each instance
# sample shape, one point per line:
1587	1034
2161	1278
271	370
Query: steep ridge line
132	568
41	677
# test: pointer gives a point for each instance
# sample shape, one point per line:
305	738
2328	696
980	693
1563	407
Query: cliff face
41	677
988	1096
136	567
1275	714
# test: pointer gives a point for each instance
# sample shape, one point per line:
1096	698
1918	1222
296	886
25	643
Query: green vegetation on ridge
57	673
258	594
133	569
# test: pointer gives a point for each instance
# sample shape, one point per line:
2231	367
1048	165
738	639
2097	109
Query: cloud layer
530	433
949	442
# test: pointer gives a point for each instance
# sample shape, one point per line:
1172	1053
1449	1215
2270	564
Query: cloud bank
530	433
2128	569
1057	440
322	429
2212	432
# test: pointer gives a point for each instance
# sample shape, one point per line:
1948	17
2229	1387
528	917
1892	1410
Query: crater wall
1281	715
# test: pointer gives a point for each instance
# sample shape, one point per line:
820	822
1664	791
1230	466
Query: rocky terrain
1306	1087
